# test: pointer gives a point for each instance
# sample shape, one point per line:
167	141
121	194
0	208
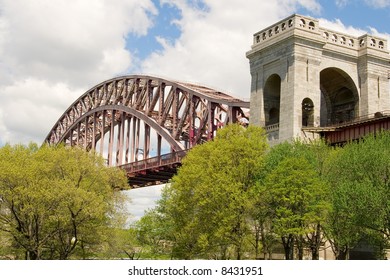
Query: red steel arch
108	117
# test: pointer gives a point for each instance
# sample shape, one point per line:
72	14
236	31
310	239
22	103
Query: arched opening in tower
307	112
339	97
272	100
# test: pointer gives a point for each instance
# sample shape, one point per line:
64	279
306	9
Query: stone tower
307	76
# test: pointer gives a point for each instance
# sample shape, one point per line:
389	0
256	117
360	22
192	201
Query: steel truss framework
108	117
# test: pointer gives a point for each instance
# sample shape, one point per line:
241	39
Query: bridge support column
111	140
146	141
121	133
94	131
128	139
102	132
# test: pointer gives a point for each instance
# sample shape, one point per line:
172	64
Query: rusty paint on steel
355	129
111	113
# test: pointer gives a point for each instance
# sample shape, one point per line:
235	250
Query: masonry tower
306	76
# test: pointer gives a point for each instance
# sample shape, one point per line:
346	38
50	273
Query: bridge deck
154	170
355	129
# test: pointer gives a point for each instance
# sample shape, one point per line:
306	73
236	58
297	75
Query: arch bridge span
146	124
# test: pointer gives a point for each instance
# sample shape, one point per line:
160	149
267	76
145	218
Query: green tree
297	199
153	234
56	202
314	154
208	202
122	244
360	193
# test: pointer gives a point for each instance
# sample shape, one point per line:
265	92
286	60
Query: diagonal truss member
117	118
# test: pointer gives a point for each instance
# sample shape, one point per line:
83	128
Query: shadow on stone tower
305	76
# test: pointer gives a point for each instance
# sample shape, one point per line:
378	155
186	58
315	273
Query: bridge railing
363	118
272	127
154	162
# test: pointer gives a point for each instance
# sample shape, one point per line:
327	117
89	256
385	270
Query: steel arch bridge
145	124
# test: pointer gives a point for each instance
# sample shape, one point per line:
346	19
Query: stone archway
307	112
339	97
272	100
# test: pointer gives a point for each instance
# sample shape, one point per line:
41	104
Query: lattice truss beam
122	116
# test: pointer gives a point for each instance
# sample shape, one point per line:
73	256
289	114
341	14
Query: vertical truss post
94	126
78	134
161	94
175	112
149	95
111	140
191	120
132	156
121	136
137	139
147	141
128	139
102	132
86	127
235	111
210	120
159	138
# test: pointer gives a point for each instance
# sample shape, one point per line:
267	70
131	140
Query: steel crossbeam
132	118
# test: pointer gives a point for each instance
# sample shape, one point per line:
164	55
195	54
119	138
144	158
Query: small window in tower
270	33
334	38
311	25
326	35
372	43
290	23
307	112
362	43
381	45
283	26
302	23
264	36
342	40
257	38
351	43
276	29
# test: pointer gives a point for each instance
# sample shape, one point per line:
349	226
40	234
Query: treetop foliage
234	197
56	201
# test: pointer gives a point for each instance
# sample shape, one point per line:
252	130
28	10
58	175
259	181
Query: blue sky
163	26
51	52
359	14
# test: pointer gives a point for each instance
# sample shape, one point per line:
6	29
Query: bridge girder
181	114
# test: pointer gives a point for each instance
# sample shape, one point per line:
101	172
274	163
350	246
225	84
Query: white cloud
341	3
68	41
142	199
338	25
29	109
53	51
378	3
213	43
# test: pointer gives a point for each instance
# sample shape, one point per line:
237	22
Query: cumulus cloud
341	3
142	199
338	25
53	51
29	108
214	40
378	3
71	40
